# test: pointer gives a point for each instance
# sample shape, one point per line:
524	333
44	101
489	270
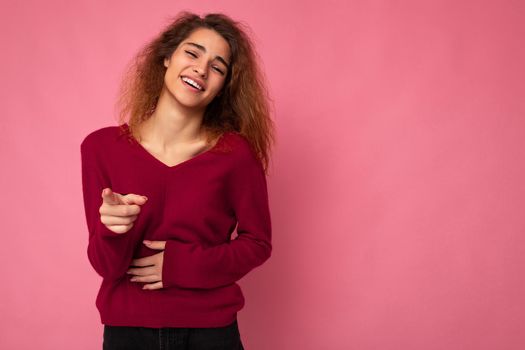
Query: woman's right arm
109	253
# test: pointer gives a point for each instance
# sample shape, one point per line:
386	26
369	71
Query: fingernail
147	242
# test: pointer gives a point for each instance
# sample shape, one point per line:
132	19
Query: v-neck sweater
194	206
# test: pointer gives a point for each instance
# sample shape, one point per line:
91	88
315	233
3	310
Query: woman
185	167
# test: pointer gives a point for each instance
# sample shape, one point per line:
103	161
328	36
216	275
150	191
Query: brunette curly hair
243	104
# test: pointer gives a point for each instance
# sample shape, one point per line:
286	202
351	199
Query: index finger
119	209
132	198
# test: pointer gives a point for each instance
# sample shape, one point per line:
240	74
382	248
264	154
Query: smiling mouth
190	85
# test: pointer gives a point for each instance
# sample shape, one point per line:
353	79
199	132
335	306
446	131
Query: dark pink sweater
195	207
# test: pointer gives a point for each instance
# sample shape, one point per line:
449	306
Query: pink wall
396	189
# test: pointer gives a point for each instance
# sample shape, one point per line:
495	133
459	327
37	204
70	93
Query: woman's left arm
190	265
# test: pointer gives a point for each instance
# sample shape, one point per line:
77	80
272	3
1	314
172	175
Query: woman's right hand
118	212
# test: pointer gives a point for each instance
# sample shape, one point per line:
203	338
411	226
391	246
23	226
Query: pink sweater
194	206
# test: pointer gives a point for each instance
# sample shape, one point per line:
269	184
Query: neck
172	124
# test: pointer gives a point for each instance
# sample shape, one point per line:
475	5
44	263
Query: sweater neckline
142	150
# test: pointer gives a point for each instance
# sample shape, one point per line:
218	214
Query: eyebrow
203	49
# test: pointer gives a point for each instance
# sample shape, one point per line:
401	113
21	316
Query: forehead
212	41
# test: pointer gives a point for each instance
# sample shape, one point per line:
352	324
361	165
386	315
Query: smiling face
197	69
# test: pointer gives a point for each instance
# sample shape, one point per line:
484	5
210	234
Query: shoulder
242	153
239	144
102	137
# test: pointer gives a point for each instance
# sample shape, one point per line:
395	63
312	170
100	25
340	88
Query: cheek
219	84
171	76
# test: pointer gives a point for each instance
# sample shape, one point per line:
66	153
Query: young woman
165	190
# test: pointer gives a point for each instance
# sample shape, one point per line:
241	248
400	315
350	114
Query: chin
188	101
191	104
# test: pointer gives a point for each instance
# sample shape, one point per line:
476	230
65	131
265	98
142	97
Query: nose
200	69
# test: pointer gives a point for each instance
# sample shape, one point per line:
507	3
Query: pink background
396	187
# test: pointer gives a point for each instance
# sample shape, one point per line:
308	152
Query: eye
191	53
218	70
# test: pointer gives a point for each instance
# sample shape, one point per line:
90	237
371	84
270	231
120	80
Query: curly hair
242	106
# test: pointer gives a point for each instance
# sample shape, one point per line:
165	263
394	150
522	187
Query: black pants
142	338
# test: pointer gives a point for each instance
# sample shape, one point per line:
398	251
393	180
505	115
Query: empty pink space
396	187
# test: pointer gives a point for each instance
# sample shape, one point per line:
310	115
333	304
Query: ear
166	62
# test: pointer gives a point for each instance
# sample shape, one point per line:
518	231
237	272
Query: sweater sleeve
109	253
190	265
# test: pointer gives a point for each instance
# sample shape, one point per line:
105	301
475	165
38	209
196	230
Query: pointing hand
118	212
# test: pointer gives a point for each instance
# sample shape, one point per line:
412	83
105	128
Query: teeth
188	80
